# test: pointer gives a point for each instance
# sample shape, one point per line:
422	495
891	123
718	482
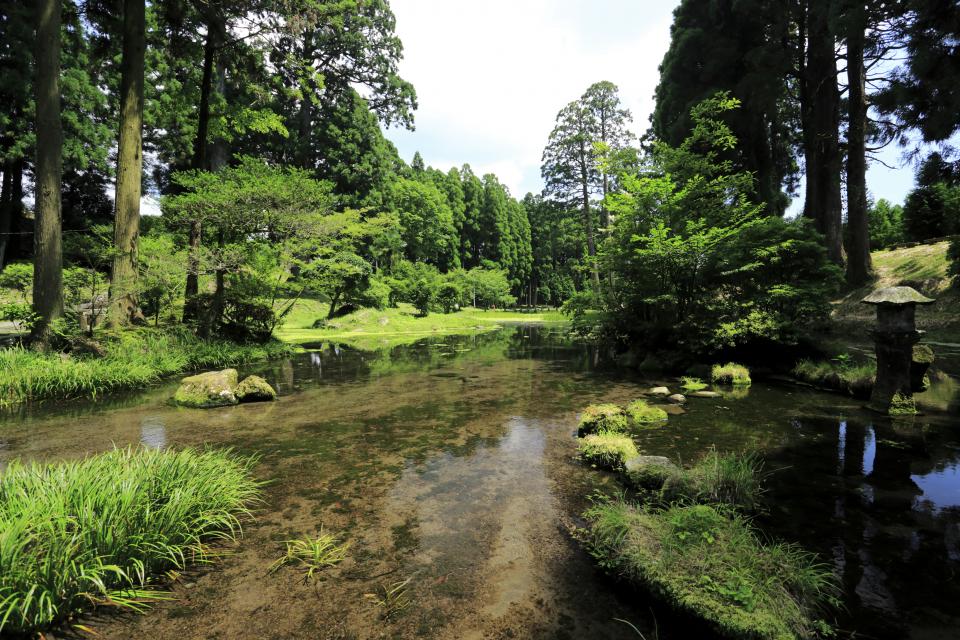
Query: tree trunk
48	256
6	210
126	224
858	250
824	177
18	243
587	220
303	157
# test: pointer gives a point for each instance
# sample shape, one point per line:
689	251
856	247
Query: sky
491	76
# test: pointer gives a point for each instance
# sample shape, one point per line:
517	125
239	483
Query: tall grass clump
731	479
313	554
607	450
839	374
731	373
603	417
708	563
643	415
75	535
133	360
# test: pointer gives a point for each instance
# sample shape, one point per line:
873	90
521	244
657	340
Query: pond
449	466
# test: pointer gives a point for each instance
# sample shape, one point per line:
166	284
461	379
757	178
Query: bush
731	373
449	296
607	450
709	564
643	414
96	532
599	418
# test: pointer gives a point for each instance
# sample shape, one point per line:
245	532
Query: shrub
97	531
692	384
731	373
449	295
643	414
603	417
608	450
710	564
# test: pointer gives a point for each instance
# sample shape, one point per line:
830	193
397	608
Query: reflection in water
941	489
153	432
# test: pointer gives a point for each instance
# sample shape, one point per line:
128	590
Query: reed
98	531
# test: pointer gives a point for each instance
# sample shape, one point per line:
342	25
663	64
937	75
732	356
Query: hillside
923	267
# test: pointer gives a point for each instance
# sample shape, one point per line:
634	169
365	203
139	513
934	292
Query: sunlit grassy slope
374	328
923	267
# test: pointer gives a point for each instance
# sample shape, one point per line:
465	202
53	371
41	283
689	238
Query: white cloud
492	76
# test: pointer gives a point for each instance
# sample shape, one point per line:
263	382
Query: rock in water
705	394
659	391
206	390
255	389
677	398
649	472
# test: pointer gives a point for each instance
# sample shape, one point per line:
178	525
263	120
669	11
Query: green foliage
133	360
708	563
97	532
19	277
885	222
841	374
692	384
449	296
729	479
162	275
644	415
696	263
313	554
953	255
426	222
932	211
607	450
600	418
731	373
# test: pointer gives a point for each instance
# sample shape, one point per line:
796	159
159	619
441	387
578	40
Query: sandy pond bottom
450	465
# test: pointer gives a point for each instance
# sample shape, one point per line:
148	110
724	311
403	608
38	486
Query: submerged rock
649	472
255	389
705	394
206	390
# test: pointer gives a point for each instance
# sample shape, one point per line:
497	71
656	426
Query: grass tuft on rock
603	418
708	563
692	384
644	415
731	373
77	535
607	450
839	374
732	479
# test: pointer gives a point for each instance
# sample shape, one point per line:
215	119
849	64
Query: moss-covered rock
902	405
602	417
691	385
206	390
645	416
607	450
731	373
649	472
255	389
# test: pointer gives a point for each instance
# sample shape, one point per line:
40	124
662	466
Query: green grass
731	373
77	535
692	384
732	479
645	416
708	563
134	359
607	450
313	554
599	418
841	375
375	329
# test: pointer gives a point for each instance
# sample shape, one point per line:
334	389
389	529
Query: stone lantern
895	337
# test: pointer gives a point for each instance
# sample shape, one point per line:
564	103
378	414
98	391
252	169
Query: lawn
376	328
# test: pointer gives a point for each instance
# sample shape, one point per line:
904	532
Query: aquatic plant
608	450
692	384
134	359
644	415
840	374
732	479
393	599
312	554
602	417
76	535
731	373
707	562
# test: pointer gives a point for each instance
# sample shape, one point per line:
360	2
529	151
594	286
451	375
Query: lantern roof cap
897	296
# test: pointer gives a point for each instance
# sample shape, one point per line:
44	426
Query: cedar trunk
48	256
126	225
859	265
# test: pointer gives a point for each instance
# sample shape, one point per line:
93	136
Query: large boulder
254	389
206	390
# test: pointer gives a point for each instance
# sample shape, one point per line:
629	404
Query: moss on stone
692	384
207	390
645	416
602	417
649	472
901	405
731	373
607	450
254	389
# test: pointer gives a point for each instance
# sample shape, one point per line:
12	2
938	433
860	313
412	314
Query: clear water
451	463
